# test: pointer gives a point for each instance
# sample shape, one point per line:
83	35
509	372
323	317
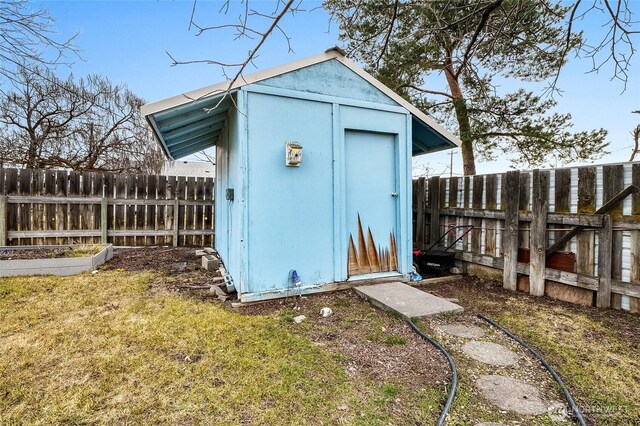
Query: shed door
371	202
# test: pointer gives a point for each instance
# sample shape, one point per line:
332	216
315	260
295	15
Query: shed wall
228	213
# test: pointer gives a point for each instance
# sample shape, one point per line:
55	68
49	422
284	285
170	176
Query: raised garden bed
52	260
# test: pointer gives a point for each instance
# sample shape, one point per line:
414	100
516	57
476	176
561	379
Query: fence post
104	211
3	220
510	235
604	263
420	213
176	220
434	208
538	238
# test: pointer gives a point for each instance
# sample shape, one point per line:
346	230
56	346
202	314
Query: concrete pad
490	353
406	300
511	394
462	330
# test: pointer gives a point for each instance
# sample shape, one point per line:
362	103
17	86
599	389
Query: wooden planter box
61	266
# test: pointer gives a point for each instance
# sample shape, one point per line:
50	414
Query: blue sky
127	41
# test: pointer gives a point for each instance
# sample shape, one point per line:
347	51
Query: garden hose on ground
572	404
454	372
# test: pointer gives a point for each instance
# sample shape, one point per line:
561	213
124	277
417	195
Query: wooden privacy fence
39	207
571	233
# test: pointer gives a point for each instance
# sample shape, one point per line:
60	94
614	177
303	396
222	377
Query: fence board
73	210
491	191
199	224
466	202
585	248
141	194
523	206
181	184
209	217
24	209
130	210
538	239
634	261
434	209
160	209
604	264
171	212
50	209
150	209
476	204
189	210
612	184
510	236
120	211
61	209
562	199
420	187
11	188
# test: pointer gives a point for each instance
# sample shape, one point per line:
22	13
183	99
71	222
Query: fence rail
58	207
571	233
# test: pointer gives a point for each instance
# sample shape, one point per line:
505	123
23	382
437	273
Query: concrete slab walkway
408	301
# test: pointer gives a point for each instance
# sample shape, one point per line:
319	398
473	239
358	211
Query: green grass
592	355
395	340
100	349
390	391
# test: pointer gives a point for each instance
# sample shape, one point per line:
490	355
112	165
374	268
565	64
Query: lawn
141	347
595	351
103	348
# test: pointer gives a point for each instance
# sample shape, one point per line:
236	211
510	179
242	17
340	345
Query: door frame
375	121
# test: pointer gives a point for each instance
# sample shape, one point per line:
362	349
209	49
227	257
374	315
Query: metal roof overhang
425	139
193	126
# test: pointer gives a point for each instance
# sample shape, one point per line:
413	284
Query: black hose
454	372
572	403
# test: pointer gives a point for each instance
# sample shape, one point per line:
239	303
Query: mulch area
376	345
27	254
160	259
177	269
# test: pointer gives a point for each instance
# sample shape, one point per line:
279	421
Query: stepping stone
490	353
463	330
511	394
408	301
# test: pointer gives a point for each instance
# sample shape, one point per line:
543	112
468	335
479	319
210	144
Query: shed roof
193	121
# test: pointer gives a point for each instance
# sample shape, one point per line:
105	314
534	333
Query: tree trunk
464	124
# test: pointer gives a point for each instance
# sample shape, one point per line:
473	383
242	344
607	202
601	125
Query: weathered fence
572	233
40	207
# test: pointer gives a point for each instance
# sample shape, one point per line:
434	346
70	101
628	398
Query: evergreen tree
470	46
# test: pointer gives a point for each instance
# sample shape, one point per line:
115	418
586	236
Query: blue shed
313	173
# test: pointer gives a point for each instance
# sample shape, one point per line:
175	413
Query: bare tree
616	44
27	36
90	124
252	23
